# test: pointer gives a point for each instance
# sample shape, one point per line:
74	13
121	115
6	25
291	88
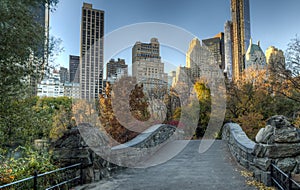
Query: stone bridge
217	168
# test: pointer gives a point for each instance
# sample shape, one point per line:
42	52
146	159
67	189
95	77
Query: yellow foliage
251	123
252	182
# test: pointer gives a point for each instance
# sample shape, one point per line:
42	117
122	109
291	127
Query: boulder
286	164
278	130
264	135
278	121
277	150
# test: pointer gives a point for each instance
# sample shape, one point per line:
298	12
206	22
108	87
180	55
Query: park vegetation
24	117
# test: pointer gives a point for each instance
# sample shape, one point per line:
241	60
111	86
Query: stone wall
71	148
278	142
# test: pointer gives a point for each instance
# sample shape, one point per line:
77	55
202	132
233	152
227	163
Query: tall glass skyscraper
228	49
91	52
241	34
74	68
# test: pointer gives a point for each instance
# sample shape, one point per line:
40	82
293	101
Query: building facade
91	52
42	12
216	46
74	68
116	69
255	58
146	64
194	58
171	78
200	60
183	76
51	86
72	90
275	58
64	75
241	33
145	51
228	49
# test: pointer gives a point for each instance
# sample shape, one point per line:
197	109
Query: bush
13	169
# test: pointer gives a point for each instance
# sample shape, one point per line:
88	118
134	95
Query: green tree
53	114
32	118
62	121
204	97
22	37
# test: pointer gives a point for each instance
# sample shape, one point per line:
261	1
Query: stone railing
278	143
71	148
239	144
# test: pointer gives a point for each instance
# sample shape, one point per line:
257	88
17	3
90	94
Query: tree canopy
22	43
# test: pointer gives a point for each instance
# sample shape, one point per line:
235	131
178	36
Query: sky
273	23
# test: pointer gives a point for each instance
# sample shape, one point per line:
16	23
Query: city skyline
267	25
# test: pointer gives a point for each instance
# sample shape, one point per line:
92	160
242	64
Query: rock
297	168
286	164
287	135
277	150
264	135
262	163
279	141
278	121
278	130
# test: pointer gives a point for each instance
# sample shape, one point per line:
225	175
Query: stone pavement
213	169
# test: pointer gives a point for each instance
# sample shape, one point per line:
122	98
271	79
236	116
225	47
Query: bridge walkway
213	169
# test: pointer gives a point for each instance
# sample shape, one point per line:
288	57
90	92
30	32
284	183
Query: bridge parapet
134	152
72	148
278	143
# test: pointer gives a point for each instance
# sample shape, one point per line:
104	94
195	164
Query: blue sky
273	22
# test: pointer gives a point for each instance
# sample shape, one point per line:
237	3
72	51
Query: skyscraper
146	51
146	64
64	74
115	69
216	46
91	52
194	58
74	68
240	16
42	13
275	62
228	49
42	17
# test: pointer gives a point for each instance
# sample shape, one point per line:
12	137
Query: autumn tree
287	80
172	102
108	118
138	103
252	100
63	120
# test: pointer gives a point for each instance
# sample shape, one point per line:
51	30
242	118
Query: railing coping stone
141	137
240	137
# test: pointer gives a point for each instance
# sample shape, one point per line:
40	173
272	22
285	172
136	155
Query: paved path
214	169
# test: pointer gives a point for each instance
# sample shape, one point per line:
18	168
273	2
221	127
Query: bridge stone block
71	148
278	142
277	150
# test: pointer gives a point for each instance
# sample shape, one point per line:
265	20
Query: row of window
89	12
